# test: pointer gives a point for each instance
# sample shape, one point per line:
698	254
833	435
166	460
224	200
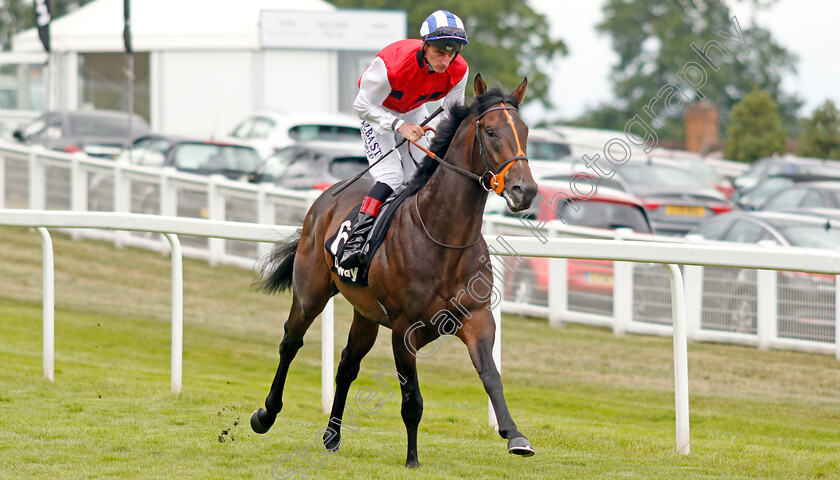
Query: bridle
491	179
496	180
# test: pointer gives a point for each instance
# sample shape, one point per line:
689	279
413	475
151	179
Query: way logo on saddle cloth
335	243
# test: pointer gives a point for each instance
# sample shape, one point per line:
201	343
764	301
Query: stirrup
351	256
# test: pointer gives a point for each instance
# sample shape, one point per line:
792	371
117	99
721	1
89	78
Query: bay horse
431	250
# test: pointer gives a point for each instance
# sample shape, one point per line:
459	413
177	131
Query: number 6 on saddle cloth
335	244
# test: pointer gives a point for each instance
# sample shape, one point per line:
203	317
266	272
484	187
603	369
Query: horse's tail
276	268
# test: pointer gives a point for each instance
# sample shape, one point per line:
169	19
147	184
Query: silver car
98	133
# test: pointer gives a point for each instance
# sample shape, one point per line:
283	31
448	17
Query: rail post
48	259
680	358
177	312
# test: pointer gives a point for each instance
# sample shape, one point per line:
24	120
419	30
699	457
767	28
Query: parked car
590	282
269	131
806	301
315	164
824	195
787	165
192	155
832	214
754	198
703	172
674	198
548	153
98	133
779	228
185	154
546	145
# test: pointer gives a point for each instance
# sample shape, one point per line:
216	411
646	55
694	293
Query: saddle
335	244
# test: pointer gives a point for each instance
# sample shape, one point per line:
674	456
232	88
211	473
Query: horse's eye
490	132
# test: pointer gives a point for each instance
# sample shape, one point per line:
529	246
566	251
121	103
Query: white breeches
399	166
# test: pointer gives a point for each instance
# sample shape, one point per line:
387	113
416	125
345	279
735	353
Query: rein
436	242
491	179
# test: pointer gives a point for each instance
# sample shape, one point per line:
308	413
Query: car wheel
743	313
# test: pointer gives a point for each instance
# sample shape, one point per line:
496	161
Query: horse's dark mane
446	131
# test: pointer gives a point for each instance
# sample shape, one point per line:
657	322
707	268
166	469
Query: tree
754	129
17	15
821	133
696	46
508	40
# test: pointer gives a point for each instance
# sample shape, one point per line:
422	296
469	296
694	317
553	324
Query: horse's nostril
516	190
531	190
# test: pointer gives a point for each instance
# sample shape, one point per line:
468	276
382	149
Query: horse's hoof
331	442
413	463
261	420
520	446
332	446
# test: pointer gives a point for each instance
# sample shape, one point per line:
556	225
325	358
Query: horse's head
500	137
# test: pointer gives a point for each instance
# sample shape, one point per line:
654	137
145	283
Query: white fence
786	259
35	178
639	300
171	227
796	311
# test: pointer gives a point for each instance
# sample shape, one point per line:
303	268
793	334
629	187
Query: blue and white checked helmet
444	30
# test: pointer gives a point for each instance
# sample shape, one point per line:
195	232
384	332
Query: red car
590	282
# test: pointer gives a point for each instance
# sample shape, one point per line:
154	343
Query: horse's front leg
479	334
412	401
359	342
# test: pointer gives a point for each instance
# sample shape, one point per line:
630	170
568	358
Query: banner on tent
360	30
43	16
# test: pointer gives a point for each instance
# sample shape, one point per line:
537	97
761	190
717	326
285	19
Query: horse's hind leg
479	335
302	314
359	342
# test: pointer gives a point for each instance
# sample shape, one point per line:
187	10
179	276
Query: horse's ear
519	93
479	86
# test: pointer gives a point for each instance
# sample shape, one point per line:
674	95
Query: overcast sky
807	28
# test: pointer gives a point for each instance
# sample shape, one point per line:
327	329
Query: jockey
392	92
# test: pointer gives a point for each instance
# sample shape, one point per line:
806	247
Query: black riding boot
353	255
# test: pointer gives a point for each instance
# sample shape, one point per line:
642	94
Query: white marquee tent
206	65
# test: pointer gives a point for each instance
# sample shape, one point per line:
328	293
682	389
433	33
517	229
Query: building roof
162	25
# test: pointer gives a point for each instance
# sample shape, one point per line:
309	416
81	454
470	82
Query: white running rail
171	227
790	259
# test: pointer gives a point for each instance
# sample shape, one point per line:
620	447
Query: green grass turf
594	405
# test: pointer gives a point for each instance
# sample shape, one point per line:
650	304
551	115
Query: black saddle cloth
335	243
